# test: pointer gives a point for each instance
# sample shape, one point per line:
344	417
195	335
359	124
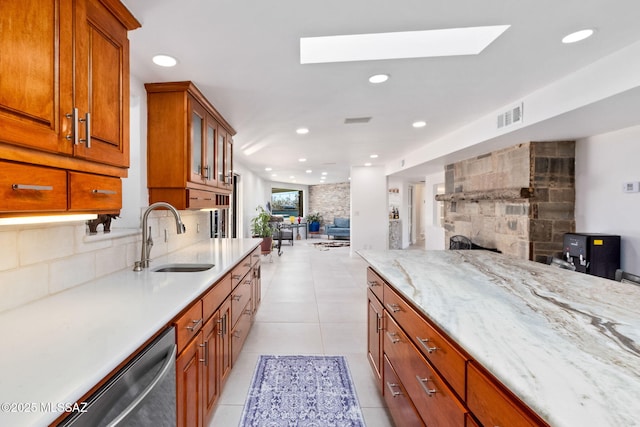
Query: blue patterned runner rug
296	391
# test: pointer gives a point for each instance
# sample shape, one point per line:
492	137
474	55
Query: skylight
405	44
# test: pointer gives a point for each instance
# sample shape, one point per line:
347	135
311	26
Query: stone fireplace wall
519	200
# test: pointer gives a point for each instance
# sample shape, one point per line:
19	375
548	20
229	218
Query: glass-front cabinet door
220	156
210	174
197	147
228	162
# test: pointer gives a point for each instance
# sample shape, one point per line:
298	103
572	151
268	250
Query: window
286	202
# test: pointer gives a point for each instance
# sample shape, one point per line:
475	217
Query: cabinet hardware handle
394	308
372	283
237	334
393	337
206	353
206	172
424	343
74	126
194	324
99	191
430	391
87	125
379	323
393	393
246	264
32	187
236	297
247	311
236	276
247	282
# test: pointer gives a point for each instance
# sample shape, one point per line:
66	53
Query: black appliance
593	253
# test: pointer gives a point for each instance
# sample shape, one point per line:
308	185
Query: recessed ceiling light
419	124
292	177
302	131
324	173
403	44
379	78
367	164
274	175
165	60
577	36
302	159
268	169
308	171
374	156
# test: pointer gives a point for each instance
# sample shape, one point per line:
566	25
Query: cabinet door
35	73
222	141
374	336
196	142
210	173
189	384
211	376
224	340
228	162
101	85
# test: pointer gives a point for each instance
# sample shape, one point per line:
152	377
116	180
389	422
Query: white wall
434	236
253	192
369	216
603	163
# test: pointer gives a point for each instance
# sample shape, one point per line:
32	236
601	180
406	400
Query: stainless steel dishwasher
143	393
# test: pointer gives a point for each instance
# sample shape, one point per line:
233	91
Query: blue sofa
341	227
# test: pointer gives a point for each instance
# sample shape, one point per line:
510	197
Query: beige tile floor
313	302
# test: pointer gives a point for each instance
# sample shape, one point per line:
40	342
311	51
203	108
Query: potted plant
314	220
260	228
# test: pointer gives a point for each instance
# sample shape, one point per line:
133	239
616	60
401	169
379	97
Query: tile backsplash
36	261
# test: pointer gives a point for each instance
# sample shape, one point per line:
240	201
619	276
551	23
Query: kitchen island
58	348
565	344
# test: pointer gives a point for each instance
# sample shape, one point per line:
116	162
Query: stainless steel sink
182	268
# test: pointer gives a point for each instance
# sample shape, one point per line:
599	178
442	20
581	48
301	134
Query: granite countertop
57	348
566	343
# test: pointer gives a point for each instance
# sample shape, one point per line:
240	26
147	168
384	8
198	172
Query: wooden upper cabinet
64	97
189	149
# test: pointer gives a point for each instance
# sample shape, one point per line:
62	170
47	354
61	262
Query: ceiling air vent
510	117
353	120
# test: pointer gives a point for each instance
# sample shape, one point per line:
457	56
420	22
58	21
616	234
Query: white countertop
566	343
57	348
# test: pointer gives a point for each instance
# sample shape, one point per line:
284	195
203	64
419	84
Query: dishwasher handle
169	361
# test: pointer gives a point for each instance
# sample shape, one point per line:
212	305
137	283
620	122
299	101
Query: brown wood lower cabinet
425	377
210	334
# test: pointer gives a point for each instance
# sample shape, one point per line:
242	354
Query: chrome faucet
147	241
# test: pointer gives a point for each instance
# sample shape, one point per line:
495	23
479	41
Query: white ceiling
244	56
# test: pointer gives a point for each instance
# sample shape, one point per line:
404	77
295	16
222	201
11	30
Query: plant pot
314	227
265	246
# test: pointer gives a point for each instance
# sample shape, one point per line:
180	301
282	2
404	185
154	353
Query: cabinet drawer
240	270
375	283
397	399
434	400
25	188
199	199
449	362
240	332
188	325
90	192
216	296
491	405
240	297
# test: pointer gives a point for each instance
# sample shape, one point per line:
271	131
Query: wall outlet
631	187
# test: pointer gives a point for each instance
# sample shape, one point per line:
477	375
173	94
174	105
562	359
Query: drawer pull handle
99	191
236	297
430	391
194	324
372	283
237	334
393	337
394	308
247	311
394	394
379	323
247	282
424	343
32	187
236	276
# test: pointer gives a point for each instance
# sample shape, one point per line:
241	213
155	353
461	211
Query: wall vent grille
510	117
